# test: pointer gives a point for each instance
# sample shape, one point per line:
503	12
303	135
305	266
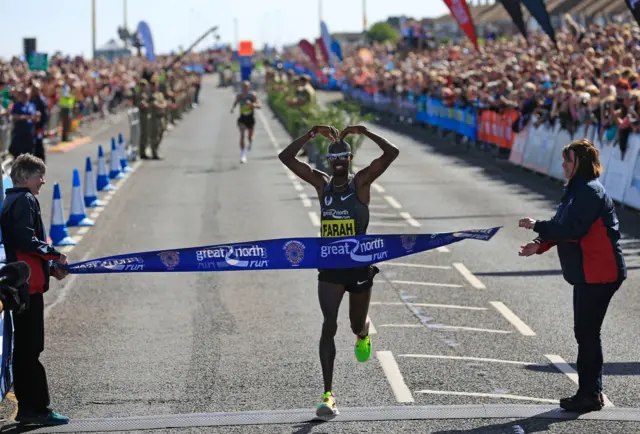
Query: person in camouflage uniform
141	101
157	122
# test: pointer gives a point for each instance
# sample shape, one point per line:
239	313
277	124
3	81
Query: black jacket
24	237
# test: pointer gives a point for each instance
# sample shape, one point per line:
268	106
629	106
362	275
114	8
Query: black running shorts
247	120
354	279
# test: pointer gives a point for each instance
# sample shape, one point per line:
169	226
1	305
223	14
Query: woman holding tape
586	231
344	202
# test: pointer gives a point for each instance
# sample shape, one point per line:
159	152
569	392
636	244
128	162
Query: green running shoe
327	407
363	348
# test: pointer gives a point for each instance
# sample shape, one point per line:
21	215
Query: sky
65	25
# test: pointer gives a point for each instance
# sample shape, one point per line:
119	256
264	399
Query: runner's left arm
380	164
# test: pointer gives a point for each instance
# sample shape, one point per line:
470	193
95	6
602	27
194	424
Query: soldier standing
141	101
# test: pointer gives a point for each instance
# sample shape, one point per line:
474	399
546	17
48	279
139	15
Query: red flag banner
308	49
460	11
323	49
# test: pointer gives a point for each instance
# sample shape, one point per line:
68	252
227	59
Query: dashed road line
469	329
412	222
315	220
394	377
394	203
405	264
378	206
443	249
471	278
524	329
409	282
487	395
298	186
377	187
306	202
566	369
387	224
443	306
372	328
470	359
381	214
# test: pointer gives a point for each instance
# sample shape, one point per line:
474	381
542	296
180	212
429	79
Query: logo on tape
408	241
294	251
170	259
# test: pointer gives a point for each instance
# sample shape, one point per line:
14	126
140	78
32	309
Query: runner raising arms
344	203
248	101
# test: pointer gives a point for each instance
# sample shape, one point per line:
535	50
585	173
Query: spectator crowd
589	80
36	104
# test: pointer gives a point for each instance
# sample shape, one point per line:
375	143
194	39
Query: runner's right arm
305	172
235	103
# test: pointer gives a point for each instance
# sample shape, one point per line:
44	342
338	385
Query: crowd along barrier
537	147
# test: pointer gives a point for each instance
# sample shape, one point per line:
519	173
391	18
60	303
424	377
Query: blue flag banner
279	254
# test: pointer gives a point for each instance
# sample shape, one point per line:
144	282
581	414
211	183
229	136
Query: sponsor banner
278	254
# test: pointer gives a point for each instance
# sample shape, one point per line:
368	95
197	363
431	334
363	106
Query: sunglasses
339	156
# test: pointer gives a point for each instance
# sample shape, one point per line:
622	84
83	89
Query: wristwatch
311	133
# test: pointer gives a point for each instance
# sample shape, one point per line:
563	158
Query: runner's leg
358	311
330	296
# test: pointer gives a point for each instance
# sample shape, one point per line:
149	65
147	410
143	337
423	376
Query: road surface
473	324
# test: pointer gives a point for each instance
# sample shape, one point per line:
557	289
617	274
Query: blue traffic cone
102	181
114	169
78	214
58	233
90	194
124	159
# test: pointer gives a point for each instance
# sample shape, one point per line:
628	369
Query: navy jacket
24	237
586	231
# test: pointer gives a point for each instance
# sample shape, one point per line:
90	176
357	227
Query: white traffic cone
58	232
90	194
78	214
114	168
124	159
102	181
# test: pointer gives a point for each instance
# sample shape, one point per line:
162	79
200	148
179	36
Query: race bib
338	228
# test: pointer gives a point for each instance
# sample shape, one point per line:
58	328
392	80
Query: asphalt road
472	324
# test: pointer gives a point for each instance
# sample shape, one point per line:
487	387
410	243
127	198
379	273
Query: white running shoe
243	157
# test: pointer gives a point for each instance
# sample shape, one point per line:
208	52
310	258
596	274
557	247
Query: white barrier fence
540	150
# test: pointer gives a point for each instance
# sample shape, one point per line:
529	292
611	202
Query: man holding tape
344	201
24	239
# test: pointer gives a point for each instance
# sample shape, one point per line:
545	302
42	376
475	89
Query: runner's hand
327	131
353	129
529	249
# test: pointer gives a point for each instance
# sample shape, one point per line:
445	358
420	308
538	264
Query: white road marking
471	359
298	186
315	220
566	369
382	214
488	395
372	328
94	215
387	224
404	264
403	325
306	202
412	222
377	187
443	249
469	329
378	206
83	230
290	175
394	377
391	201
267	128
513	318
408	282
444	306
471	278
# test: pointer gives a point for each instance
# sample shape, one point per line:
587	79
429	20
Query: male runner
248	101
344	204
